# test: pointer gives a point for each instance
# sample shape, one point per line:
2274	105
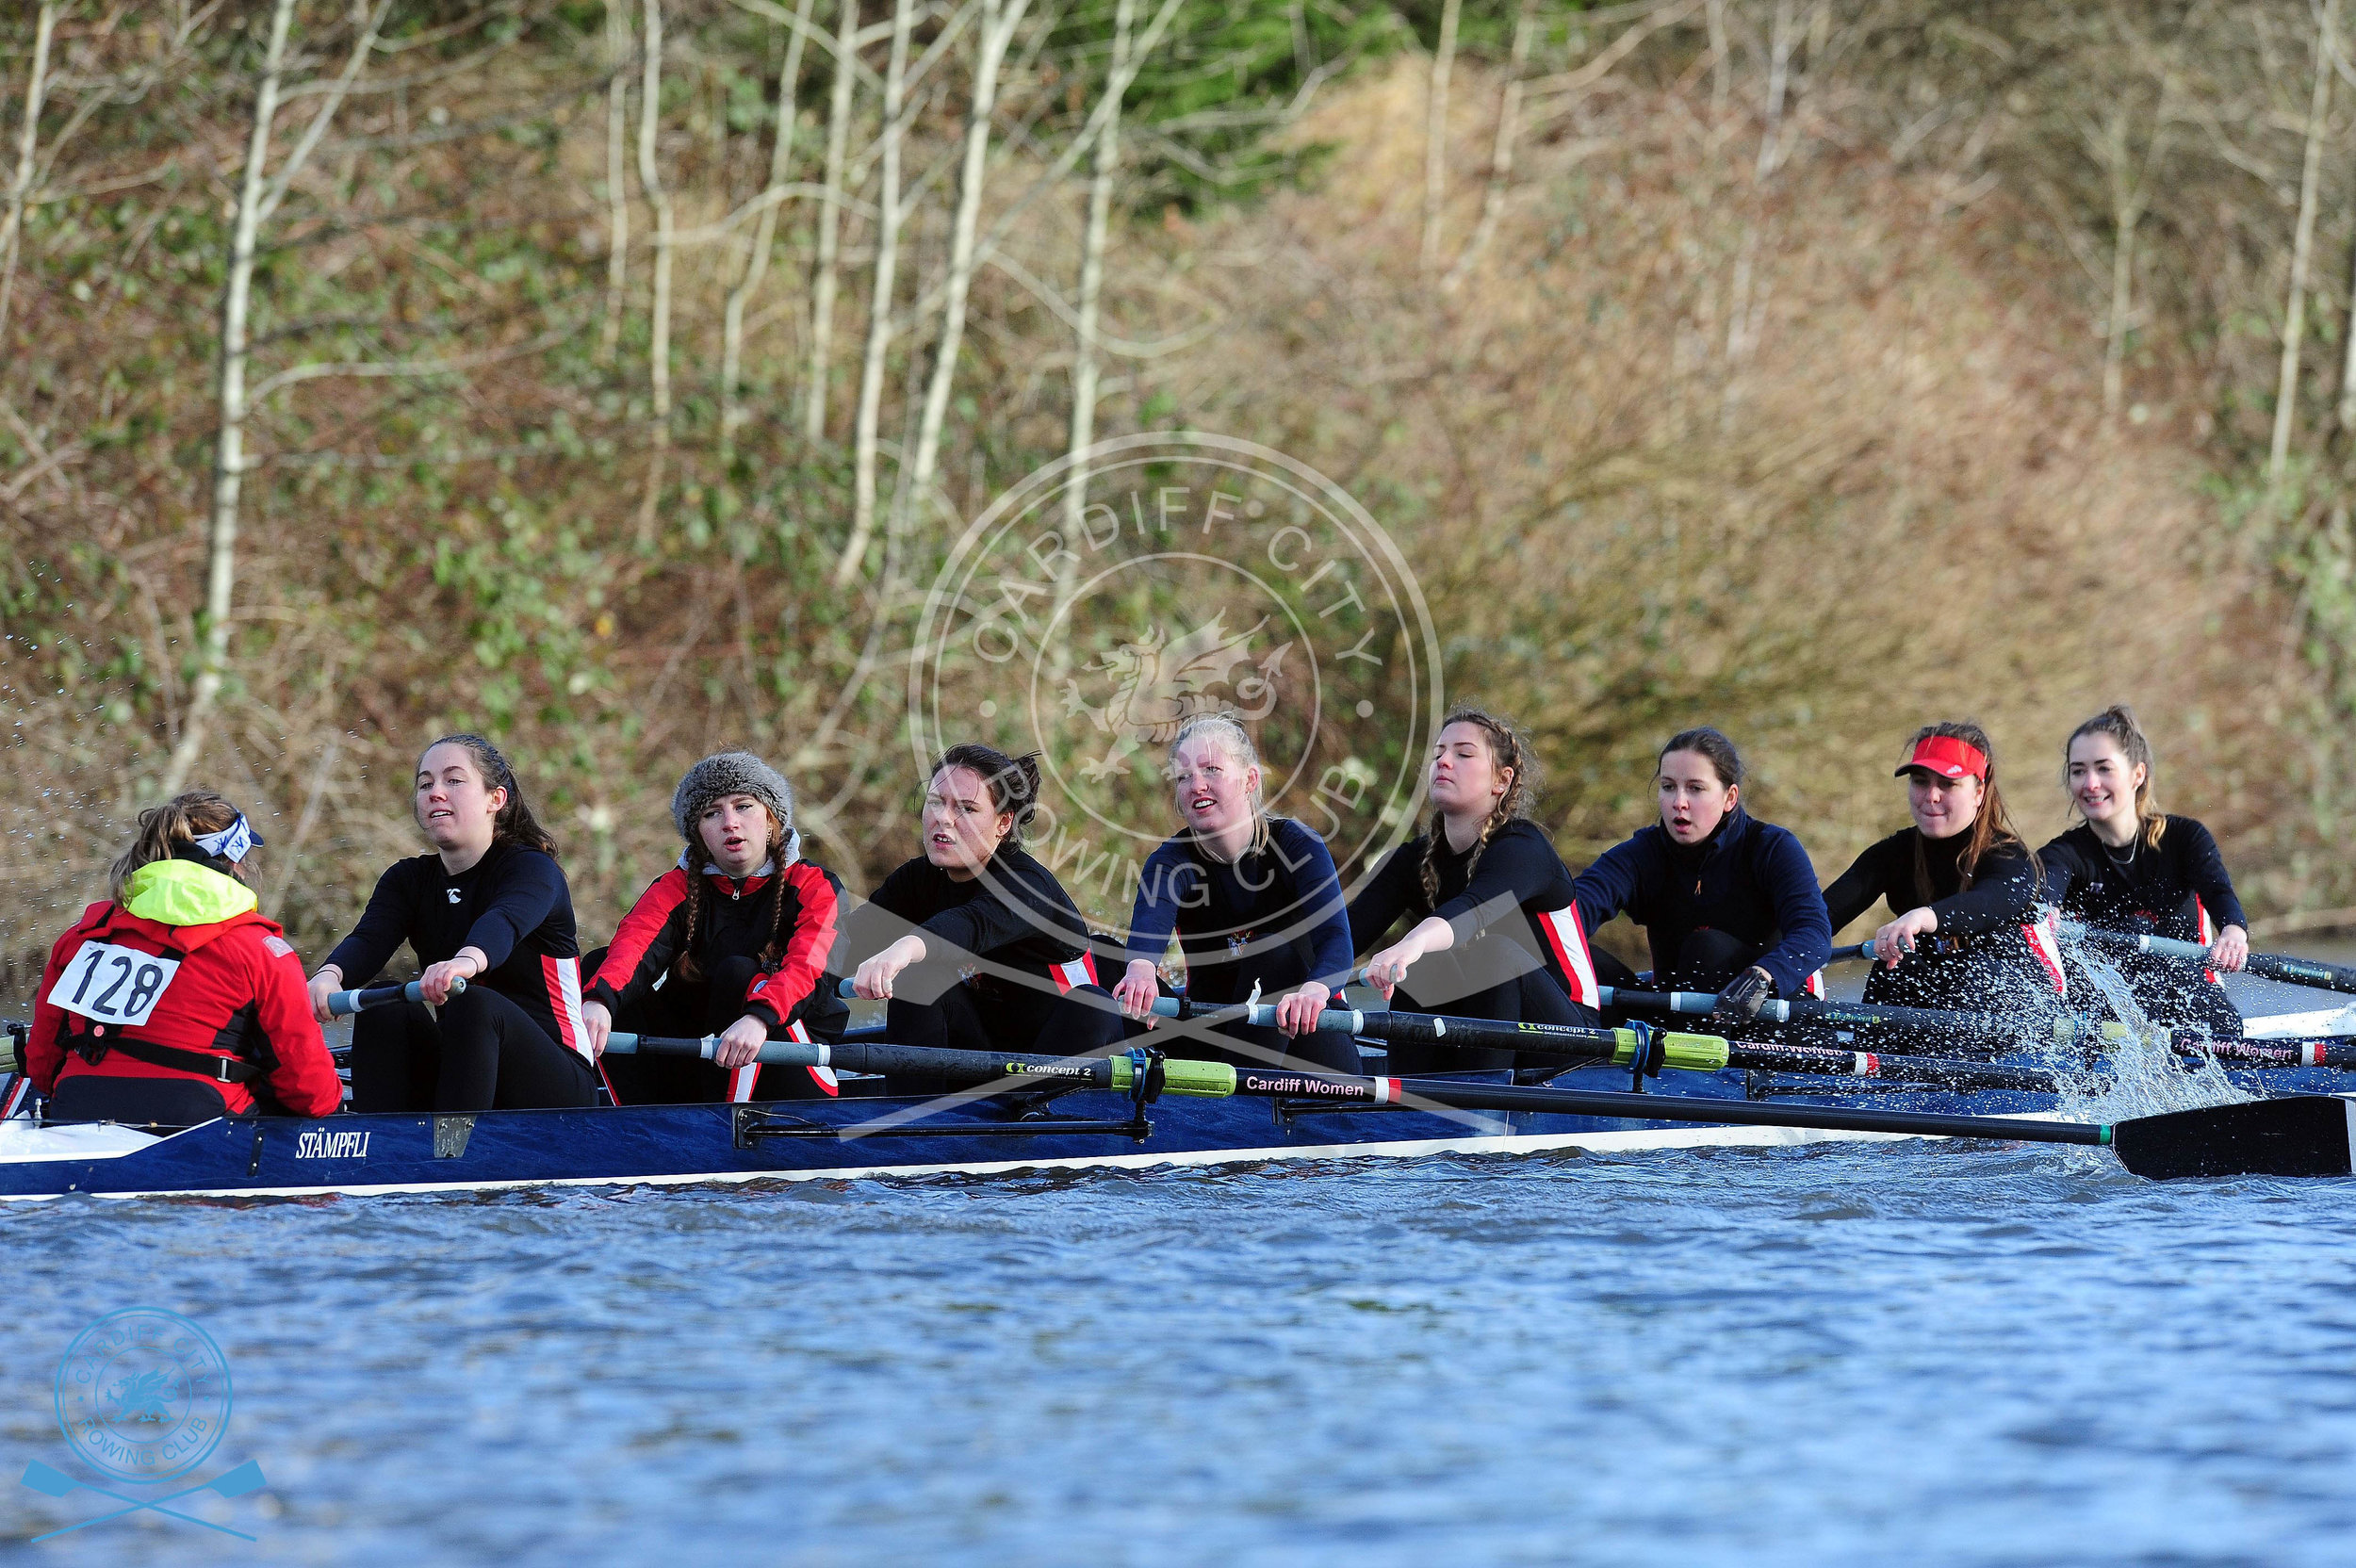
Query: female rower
1729	903
736	950
488	905
173	1002
1962	874
1253	900
2129	867
1003	954
1495	930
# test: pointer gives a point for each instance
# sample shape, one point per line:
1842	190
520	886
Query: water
1961	1354
1950	1354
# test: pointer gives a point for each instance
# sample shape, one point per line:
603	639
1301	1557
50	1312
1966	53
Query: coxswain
732	942
2130	867
1961	875
174	1002
488	905
1253	902
1496	931
992	953
1729	903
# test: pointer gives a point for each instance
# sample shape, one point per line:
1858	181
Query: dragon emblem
1159	683
142	1396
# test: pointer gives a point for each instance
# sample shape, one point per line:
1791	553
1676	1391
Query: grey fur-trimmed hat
734	773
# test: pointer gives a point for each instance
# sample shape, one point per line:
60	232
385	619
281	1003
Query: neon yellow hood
181	893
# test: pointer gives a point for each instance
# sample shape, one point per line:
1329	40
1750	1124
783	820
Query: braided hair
515	824
1509	752
699	891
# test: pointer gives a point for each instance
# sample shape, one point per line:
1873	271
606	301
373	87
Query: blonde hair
164	828
1509	750
1224	728
2117	722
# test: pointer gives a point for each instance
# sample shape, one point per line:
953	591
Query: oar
1853	1015
2301	1136
1926	944
234	1484
342	1003
2273	966
976	1066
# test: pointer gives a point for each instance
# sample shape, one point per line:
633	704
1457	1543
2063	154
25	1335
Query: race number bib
113	985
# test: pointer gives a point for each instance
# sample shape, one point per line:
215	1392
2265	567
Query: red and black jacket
239	1000
736	921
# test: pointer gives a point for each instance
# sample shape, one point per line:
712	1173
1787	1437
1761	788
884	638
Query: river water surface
1845	1354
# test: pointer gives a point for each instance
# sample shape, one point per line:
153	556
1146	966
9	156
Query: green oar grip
1209	1079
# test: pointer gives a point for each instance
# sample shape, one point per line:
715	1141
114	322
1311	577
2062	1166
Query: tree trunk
1101	184
1721	62
1501	157
765	235
659	317
2303	241
999	20
871	380
229	446
616	176
28	140
1436	133
830	224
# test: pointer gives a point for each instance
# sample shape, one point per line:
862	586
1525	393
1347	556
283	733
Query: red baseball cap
1947	757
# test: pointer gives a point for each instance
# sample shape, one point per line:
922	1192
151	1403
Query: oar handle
849	992
1213	1079
344	1002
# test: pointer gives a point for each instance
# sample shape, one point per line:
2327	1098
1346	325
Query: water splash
2140	1074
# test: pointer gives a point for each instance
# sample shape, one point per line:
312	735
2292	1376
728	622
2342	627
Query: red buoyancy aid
237	996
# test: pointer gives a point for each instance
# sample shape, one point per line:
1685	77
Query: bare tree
830	221
1501	154
659	313
866	437
617	172
2303	241
999	20
28	140
764	230
1435	132
258	196
1102	180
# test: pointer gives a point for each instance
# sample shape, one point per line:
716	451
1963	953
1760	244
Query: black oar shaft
2272	966
1658	1108
1944	1073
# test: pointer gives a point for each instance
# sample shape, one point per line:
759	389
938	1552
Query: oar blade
2307	1135
244	1478
40	1477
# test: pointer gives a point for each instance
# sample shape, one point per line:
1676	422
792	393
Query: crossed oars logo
56	1484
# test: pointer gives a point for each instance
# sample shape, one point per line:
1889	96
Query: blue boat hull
861	1136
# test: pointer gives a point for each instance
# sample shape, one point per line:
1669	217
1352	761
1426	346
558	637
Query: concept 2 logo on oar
143	1396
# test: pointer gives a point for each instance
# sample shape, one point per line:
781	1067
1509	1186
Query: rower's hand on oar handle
1743	997
873	982
597	1024
326	983
2230	953
441	981
1138	991
1297	1012
740	1043
1896	940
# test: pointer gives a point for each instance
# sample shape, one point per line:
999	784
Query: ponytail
165	830
2118	723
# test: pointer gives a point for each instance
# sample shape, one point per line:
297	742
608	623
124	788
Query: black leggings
1705	961
694	1009
1275	971
482	1053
